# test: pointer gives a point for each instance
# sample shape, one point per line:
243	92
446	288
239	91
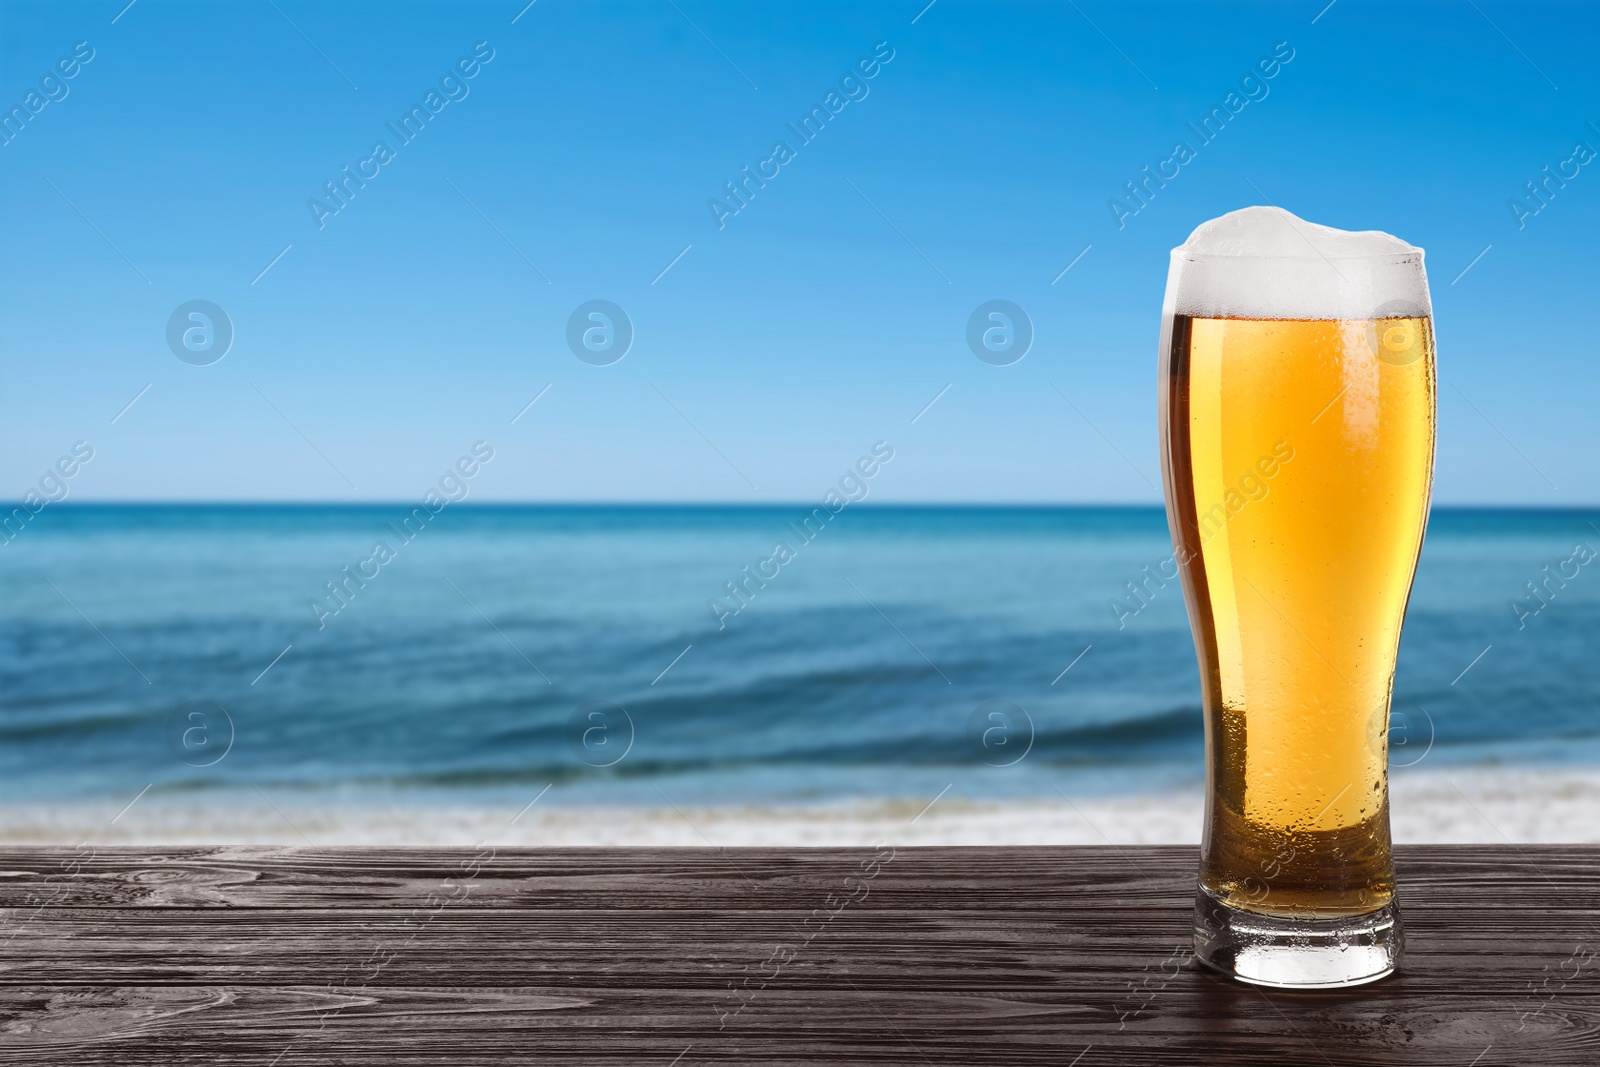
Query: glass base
1296	953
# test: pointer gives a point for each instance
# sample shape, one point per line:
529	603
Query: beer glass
1297	429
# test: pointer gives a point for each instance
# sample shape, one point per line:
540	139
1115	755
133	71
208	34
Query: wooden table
281	957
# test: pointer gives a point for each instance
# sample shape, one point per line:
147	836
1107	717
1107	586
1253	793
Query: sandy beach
1464	805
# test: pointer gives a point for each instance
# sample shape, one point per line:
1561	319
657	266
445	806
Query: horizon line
710	504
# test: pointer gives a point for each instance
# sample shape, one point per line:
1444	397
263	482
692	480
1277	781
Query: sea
631	655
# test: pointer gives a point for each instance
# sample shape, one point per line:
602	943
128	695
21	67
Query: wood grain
283	957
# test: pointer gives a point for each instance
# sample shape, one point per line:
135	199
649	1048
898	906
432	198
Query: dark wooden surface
281	957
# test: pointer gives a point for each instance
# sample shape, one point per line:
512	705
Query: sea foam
1265	263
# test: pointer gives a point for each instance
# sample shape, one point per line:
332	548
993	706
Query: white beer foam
1265	263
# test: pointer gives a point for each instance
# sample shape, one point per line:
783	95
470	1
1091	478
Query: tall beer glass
1297	428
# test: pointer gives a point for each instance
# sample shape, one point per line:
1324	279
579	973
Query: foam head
1264	263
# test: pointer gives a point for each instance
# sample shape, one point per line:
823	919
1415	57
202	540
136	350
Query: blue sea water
505	648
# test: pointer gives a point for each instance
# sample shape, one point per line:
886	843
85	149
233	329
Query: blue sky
825	314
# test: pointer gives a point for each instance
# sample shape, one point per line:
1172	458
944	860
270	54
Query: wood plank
946	950
559	879
1209	1020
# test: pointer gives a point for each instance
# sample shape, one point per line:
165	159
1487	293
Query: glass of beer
1297	429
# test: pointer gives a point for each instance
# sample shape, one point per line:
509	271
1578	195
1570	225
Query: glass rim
1415	255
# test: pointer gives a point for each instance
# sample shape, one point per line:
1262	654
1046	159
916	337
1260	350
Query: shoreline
1463	806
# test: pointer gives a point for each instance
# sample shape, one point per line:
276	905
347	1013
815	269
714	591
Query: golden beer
1298	454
